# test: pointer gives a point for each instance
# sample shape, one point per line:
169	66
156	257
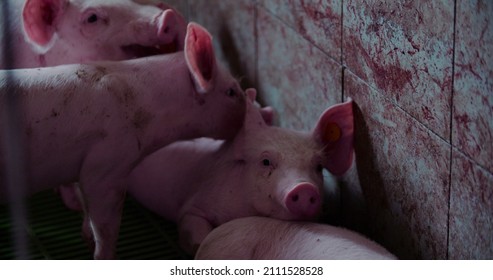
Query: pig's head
75	31
285	166
221	99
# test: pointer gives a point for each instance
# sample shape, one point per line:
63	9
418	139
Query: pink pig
265	170
271	239
93	123
55	32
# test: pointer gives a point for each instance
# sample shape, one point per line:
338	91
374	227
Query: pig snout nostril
166	29
304	201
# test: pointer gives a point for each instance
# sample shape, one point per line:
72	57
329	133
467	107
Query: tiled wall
421	75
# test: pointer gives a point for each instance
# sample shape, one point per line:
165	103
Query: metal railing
12	143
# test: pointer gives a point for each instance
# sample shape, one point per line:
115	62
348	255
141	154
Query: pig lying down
264	171
55	32
93	123
270	239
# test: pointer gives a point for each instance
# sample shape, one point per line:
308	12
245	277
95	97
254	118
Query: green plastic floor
54	232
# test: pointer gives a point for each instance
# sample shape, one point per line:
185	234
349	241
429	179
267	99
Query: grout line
255	36
342	33
343	69
447	254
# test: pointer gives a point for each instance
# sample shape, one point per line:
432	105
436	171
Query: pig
262	238
264	171
93	123
54	32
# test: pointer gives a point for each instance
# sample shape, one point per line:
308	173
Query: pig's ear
200	58
334	131
39	18
268	115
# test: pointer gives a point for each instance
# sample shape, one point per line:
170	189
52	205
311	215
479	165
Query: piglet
55	32
93	123
262	238
265	171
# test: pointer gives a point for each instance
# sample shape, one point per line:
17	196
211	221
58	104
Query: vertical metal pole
13	146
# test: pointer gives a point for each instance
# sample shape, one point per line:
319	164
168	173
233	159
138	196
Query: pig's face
102	29
286	169
283	168
228	100
216	91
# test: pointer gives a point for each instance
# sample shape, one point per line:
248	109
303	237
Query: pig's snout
304	201
165	22
170	30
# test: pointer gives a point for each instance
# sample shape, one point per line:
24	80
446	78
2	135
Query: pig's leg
70	195
87	233
72	198
192	231
104	210
103	186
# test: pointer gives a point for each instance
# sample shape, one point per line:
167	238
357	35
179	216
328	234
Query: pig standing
93	123
55	32
265	171
270	239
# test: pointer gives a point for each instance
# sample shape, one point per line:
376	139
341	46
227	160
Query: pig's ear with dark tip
200	58
39	18
334	131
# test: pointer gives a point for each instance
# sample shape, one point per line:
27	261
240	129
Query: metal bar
13	145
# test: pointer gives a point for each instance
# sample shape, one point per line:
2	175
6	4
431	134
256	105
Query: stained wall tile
471	210
232	25
403	171
319	21
472	130
294	76
404	49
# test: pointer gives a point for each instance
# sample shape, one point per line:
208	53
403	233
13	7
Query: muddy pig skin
264	171
55	32
93	123
262	238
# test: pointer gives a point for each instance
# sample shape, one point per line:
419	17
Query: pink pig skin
55	32
270	239
265	171
93	123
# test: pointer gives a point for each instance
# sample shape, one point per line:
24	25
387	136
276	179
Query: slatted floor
54	232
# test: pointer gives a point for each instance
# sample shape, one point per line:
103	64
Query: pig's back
163	180
265	238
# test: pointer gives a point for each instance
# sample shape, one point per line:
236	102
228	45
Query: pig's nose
163	23
304	201
168	32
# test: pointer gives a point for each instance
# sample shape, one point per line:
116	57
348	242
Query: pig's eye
231	92
320	168
265	162
92	18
